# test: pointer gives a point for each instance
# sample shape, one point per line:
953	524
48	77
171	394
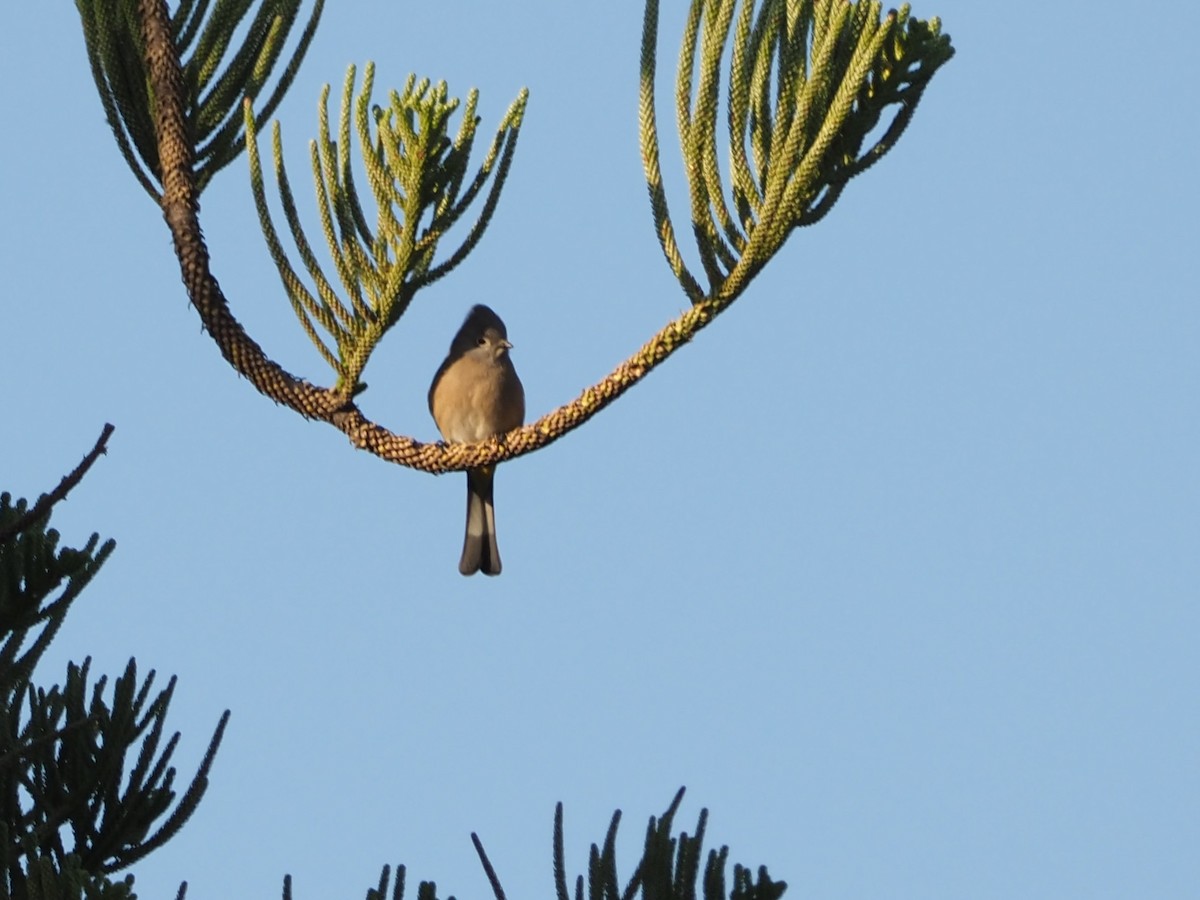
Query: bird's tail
480	553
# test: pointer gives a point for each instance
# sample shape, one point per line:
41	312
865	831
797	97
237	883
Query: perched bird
475	395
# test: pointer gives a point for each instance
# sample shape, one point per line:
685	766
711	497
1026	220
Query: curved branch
180	210
794	155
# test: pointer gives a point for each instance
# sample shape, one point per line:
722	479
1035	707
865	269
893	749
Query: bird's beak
506	345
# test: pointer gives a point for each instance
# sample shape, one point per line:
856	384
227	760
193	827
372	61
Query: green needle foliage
217	74
808	83
417	173
86	785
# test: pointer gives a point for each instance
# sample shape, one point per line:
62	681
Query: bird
476	395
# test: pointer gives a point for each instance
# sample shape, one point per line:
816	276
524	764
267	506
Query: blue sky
895	567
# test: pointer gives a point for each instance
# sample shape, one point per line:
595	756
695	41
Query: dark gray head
482	330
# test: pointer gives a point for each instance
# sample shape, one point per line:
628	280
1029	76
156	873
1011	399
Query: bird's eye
482	342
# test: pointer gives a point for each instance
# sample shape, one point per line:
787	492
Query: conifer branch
669	868
83	778
809	83
488	870
213	86
47	502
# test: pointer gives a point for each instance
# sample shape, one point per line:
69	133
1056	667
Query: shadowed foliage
86	784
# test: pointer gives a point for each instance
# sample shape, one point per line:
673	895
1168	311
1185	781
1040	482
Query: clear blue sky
896	567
